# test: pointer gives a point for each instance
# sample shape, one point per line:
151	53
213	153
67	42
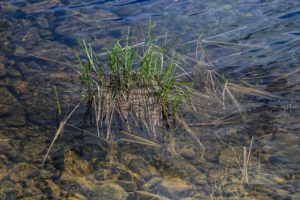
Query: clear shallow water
245	39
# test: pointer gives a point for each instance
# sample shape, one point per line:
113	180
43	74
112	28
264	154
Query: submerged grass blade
140	139
57	101
251	91
232	97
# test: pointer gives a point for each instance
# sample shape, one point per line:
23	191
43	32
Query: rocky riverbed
80	169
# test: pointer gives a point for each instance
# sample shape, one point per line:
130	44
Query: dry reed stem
141	102
251	91
59	130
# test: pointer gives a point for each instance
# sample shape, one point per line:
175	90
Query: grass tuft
137	86
143	92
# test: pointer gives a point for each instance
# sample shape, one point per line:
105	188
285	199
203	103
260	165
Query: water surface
255	41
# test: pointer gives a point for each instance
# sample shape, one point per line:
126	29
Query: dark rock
4	24
12	72
10	110
144	169
20	87
109	191
42	22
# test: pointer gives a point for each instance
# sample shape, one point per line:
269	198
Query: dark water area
255	41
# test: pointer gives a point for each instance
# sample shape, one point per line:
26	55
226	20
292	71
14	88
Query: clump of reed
144	86
132	87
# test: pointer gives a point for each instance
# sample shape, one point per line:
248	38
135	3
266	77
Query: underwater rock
20	51
49	173
183	169
4	24
77	170
20	87
42	22
52	52
200	179
73	163
188	153
175	185
262	180
14	151
287	138
3	195
78	21
3	166
15	120
5	145
267	149
4	44
34	150
36	188
290	187
7	7
151	183
281	194
211	153
54	189
106	41
118	172
10	190
265	158
40	6
171	187
144	169
109	191
8	103
10	109
12	73
22	171
30	40
279	180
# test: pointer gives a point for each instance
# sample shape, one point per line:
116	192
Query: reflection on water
256	41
